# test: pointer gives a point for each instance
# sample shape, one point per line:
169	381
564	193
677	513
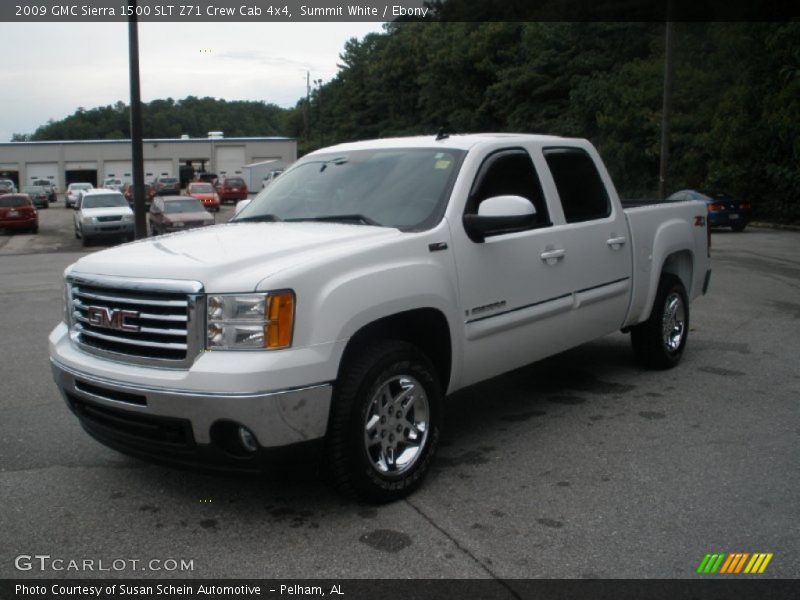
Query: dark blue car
723	209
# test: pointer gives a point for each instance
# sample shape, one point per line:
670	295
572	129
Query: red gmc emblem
112	318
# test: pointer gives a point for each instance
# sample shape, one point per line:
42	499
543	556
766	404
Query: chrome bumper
275	418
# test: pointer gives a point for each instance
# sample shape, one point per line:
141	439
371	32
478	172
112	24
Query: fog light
247	439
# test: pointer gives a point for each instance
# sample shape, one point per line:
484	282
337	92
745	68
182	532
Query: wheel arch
425	328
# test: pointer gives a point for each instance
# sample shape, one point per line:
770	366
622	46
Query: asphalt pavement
583	465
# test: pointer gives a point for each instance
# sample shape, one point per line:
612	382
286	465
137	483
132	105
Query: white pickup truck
352	294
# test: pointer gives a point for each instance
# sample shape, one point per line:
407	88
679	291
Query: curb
764	225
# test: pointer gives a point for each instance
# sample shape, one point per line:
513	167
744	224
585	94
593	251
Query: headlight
127	218
250	321
87	219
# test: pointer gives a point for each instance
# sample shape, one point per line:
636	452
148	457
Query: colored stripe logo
734	563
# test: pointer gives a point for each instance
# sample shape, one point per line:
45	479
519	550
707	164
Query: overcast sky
50	69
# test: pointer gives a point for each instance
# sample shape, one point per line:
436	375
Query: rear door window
583	194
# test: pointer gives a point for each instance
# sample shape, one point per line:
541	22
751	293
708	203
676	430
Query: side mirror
500	214
241	205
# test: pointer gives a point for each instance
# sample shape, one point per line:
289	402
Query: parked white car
103	213
111	183
74	192
352	294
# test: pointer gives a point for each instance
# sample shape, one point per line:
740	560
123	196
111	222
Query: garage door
80	172
9	171
48	171
119	169
229	160
157	168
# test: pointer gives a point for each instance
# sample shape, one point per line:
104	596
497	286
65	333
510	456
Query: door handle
551	257
616	241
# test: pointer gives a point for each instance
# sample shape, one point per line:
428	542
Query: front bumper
190	415
200	429
107	228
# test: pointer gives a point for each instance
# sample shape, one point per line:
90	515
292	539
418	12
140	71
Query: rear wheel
658	343
384	425
739	227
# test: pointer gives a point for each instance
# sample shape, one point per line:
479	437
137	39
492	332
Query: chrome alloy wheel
396	425
673	322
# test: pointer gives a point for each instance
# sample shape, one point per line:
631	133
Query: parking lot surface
582	465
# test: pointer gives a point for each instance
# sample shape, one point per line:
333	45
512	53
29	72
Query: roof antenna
442	135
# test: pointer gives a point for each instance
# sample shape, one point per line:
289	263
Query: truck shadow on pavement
296	496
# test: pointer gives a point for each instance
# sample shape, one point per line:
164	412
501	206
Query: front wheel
384	425
658	343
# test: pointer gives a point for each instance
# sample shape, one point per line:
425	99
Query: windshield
104	201
205	188
406	188
34	189
80	186
234	181
112	182
168	180
189	205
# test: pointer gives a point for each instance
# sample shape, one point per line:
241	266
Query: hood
108	211
234	257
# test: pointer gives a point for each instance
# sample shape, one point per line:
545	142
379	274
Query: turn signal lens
280	320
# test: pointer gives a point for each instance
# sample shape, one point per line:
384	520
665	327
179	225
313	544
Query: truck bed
658	230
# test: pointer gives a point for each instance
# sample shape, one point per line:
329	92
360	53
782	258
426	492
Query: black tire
351	463
739	228
84	241
35	229
650	344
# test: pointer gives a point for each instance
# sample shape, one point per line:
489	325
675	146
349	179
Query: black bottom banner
406	589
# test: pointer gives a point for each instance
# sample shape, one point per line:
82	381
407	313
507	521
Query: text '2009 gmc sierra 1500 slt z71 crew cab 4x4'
357	290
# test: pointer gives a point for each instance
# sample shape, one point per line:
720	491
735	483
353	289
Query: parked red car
177	213
231	188
149	193
205	193
18	213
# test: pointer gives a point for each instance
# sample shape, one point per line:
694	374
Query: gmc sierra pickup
351	295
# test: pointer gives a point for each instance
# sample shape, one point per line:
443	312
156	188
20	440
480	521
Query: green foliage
168	119
735	103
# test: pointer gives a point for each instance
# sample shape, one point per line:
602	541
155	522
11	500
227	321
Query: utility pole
308	101
137	154
318	83
665	109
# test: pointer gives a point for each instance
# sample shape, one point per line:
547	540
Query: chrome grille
109	218
153	322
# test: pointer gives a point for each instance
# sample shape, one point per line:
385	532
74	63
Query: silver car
103	213
74	191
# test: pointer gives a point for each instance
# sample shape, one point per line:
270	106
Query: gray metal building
65	162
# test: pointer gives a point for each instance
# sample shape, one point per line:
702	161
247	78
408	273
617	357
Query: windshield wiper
268	218
353	218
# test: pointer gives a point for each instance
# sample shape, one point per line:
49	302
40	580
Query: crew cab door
515	292
597	259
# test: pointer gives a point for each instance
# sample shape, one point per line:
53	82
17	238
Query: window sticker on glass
442	164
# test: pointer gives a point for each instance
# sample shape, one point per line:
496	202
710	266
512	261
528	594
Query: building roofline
154	141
